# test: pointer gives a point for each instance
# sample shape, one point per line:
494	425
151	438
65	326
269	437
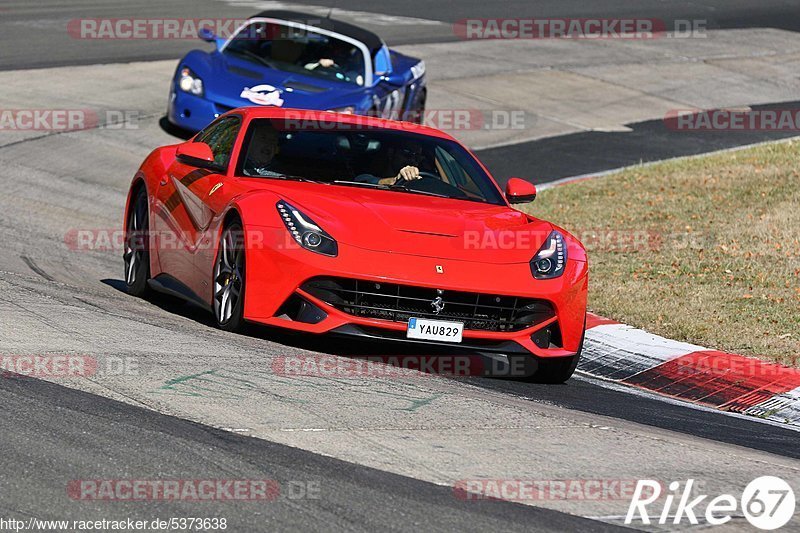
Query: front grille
398	303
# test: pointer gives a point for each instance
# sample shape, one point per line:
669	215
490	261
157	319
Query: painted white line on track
619	351
785	405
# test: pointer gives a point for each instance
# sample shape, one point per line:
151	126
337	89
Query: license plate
434	330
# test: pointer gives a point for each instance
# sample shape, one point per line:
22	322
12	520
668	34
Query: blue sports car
295	60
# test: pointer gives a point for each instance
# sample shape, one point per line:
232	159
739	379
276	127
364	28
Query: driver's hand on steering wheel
407	173
326	63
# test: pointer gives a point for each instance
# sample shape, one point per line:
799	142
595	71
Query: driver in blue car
337	54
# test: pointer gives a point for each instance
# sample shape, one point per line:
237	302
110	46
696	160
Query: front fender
199	61
260	223
257	209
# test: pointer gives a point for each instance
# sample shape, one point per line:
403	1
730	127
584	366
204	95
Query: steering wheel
429	182
335	67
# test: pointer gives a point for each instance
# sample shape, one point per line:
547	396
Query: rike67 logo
767	502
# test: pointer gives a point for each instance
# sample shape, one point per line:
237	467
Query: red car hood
418	224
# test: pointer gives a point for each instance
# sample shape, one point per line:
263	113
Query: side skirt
166	284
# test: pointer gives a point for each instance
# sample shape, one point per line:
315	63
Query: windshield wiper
288	177
299	178
251	55
360	184
426	193
389	188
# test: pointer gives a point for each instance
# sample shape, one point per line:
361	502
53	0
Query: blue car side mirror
206	34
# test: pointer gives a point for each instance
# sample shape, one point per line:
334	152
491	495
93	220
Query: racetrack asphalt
32	33
385	453
593	152
51	432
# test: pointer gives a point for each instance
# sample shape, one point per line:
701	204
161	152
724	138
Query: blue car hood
237	82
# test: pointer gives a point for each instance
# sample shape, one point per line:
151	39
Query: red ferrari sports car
332	223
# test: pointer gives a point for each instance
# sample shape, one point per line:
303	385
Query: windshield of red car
295	50
356	155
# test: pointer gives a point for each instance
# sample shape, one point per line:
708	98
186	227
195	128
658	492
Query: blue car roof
370	39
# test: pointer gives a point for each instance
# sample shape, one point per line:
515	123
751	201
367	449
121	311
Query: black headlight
551	259
305	231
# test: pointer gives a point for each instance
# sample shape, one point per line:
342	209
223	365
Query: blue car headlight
189	82
305	231
551	259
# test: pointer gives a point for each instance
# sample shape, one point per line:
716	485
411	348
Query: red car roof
329	117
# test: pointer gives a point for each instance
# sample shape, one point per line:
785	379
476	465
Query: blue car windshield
363	156
300	51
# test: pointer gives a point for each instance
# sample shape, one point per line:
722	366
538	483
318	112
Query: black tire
558	370
229	279
136	255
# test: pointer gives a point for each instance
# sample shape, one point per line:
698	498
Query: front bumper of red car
386	288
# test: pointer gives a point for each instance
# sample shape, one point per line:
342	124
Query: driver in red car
407	173
260	159
408	158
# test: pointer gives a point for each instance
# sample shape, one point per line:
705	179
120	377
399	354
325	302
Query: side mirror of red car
196	154
519	191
